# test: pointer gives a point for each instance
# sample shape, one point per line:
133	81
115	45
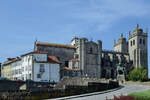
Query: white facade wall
54	72
30	65
49	74
16	70
27	67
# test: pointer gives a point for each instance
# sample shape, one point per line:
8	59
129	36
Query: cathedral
84	58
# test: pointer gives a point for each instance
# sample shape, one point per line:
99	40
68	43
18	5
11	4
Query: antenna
36	39
35	42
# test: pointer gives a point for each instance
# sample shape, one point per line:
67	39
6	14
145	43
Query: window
143	41
28	59
38	75
133	42
140	41
66	63
26	68
29	68
42	68
76	56
91	50
22	77
29	76
20	71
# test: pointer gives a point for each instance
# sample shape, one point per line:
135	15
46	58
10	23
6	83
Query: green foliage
145	95
138	74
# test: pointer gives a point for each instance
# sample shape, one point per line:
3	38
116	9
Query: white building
36	66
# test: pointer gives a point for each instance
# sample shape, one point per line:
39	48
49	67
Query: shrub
144	95
138	74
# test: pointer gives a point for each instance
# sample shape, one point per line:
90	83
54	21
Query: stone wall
89	54
78	81
6	85
109	61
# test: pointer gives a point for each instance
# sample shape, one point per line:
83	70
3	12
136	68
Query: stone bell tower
121	45
138	47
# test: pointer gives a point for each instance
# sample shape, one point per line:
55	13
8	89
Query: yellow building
6	71
6	68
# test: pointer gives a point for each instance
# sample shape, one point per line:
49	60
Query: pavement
126	89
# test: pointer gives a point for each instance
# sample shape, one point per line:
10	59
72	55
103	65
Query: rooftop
54	45
70	69
34	52
11	60
53	59
74	59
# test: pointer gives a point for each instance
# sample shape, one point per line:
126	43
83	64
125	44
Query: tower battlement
121	45
138	32
138	47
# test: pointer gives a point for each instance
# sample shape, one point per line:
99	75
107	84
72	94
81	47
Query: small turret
114	41
129	33
121	45
147	30
137	26
121	35
138	30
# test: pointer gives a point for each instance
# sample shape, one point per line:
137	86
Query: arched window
112	73
144	41
91	50
131	43
140	41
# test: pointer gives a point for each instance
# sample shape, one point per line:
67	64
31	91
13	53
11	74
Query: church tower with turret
121	45
138	47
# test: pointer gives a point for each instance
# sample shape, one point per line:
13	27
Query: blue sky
57	21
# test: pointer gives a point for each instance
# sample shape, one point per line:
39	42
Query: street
126	89
123	91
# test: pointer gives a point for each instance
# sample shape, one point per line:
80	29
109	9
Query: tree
138	74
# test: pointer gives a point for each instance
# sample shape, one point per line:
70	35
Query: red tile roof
74	59
70	69
34	52
11	60
39	52
53	59
54	45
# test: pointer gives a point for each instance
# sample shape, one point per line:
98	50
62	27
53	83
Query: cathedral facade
91	60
